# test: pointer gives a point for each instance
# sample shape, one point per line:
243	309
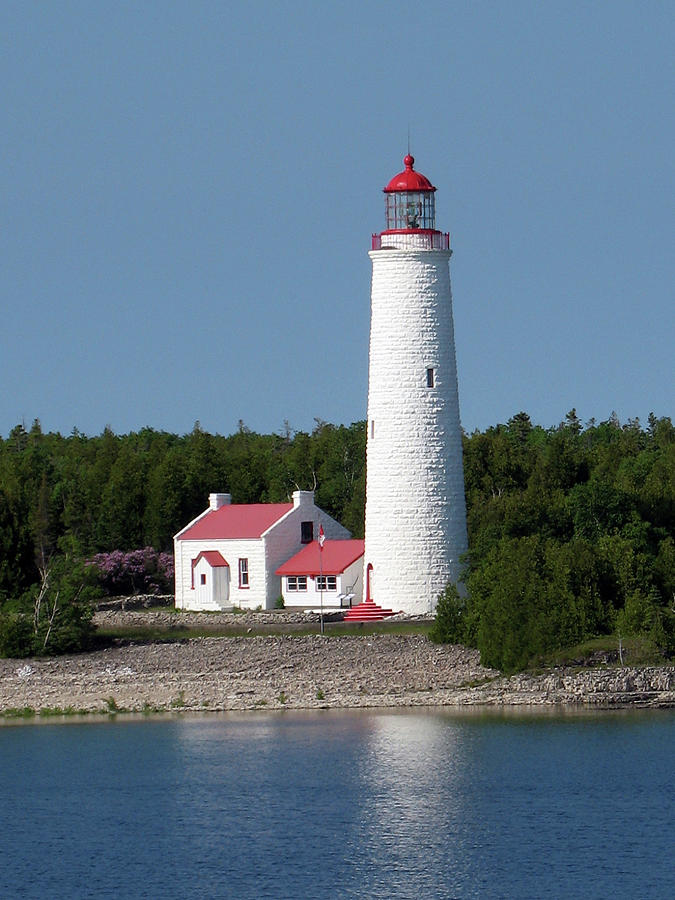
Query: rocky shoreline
303	672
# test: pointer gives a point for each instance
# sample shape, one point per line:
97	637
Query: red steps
368	611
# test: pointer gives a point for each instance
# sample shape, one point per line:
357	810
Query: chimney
303	498
218	500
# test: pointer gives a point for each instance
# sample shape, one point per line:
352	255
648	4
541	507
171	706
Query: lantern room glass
410	210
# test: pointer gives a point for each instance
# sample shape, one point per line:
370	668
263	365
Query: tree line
84	515
570	528
570	536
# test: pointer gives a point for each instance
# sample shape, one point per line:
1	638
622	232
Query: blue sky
189	189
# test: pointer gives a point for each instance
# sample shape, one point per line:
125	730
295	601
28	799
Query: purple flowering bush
145	571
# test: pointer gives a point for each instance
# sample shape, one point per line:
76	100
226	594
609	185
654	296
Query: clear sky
188	191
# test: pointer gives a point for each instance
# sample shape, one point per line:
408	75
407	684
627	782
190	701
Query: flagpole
321	540
321	583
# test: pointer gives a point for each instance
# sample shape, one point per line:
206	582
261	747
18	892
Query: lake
332	804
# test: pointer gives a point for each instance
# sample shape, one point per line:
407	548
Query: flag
322	537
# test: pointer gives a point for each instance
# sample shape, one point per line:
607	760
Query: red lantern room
410	209
409	200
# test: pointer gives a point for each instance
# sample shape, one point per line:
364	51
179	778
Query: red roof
235	521
213	558
409	180
335	557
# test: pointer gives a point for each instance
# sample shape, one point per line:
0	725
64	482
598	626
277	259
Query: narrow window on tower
372	428
430	378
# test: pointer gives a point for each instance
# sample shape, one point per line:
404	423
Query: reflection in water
381	794
412	823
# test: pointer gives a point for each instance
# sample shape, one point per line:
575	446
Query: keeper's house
229	555
330	577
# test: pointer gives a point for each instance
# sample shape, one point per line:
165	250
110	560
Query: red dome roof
409	180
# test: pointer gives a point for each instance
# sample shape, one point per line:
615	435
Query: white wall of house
352	581
184	556
182	574
211	586
311	597
251	550
283	539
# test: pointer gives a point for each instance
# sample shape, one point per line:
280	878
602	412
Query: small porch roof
334	559
212	557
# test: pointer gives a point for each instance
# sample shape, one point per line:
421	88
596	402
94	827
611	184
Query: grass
19	712
46	712
104	637
111	706
172	634
384	627
637	650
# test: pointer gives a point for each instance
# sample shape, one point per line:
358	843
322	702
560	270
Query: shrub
53	616
135	571
449	624
16	635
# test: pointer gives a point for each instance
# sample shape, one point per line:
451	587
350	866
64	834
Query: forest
570	528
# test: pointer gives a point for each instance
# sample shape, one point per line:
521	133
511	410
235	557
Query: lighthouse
415	507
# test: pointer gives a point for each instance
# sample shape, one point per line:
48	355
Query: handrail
413	239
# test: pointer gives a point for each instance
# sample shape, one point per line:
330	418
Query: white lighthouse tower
415	508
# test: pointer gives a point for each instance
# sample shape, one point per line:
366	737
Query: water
341	804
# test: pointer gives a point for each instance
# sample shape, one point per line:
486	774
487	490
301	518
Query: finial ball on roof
409	179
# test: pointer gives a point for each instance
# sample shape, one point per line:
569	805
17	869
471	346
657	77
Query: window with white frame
326	583
296	583
243	573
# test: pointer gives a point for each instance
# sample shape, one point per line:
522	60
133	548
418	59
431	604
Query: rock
307	671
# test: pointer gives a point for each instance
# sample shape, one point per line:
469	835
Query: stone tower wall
415	508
